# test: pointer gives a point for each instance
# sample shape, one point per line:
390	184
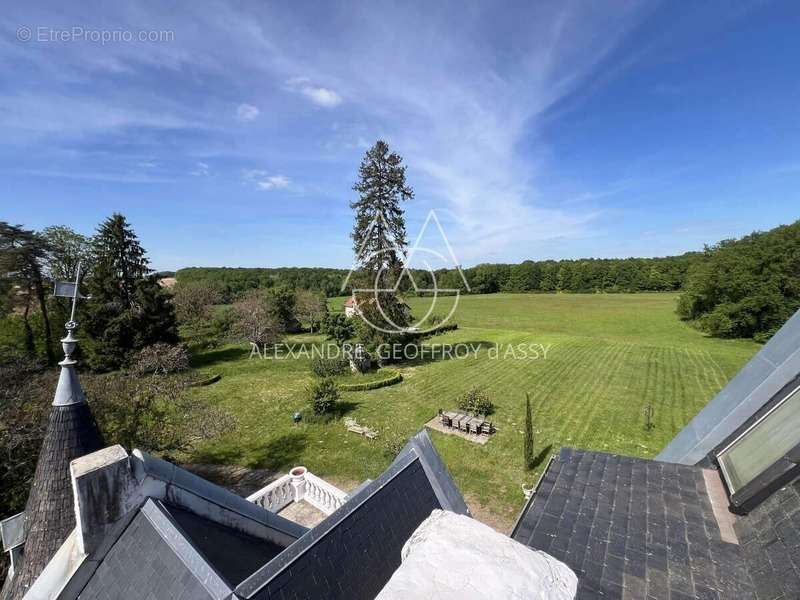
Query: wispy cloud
201	169
462	94
459	117
319	95
264	181
247	112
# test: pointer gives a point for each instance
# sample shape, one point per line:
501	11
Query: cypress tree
528	451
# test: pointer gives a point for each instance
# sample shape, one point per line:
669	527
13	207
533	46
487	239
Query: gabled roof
153	558
150	529
49	512
354	552
195	557
163	532
770	543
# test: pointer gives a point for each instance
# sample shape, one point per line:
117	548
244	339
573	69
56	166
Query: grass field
607	357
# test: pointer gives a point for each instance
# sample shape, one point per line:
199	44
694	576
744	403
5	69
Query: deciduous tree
22	255
311	307
257	319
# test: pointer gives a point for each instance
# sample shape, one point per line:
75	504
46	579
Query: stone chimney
105	490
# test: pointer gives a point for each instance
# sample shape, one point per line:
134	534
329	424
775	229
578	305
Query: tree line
747	287
744	287
623	275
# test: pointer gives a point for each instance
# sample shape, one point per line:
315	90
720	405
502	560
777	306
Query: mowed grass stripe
610	357
574	401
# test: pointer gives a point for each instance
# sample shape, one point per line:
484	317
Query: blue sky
535	130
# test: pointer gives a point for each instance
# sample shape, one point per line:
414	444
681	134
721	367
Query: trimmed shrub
476	401
323	366
394	377
443	328
323	396
361	360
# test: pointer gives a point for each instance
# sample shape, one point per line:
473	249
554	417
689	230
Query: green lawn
608	356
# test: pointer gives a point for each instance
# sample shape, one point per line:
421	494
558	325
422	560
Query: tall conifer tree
379	235
128	310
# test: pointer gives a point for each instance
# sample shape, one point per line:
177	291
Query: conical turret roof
50	513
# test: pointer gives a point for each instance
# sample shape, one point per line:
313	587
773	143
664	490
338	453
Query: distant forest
579	276
736	288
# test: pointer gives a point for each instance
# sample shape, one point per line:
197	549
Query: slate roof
189	541
633	528
770	539
149	561
235	555
50	514
354	552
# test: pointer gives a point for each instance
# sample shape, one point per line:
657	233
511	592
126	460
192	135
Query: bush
394	377
323	366
476	401
444	328
161	359
193	301
393	443
338	327
323	396
360	360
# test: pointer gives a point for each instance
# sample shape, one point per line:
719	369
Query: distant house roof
353	301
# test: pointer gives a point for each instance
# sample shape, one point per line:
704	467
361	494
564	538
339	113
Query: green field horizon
609	356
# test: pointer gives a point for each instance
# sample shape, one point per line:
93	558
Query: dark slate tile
641	522
141	565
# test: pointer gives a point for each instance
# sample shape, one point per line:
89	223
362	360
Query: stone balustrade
296	486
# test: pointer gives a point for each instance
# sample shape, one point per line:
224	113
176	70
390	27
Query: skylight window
753	460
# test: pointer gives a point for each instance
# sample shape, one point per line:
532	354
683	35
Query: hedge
204	382
396	377
443	328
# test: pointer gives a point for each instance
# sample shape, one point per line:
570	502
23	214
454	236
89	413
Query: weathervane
68	289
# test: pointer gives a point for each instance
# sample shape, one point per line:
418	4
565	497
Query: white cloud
200	169
273	182
264	181
463	97
469	124
318	95
247	112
